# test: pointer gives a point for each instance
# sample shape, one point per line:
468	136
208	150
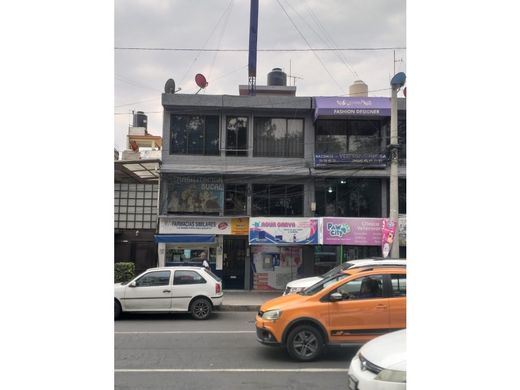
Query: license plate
352	383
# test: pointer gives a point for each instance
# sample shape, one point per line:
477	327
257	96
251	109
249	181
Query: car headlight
272	314
391	376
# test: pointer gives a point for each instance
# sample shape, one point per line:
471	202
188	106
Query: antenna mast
253	35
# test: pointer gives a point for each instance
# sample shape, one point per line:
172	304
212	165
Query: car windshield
316	288
212	275
336	270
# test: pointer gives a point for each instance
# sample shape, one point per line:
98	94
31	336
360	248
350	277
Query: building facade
231	164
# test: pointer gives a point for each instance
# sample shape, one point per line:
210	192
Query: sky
140	75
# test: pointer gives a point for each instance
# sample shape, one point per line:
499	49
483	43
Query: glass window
368	287
191	134
277	200
399	285
277	137
155	278
235	199
402	196
349	136
316	288
187	277
236	136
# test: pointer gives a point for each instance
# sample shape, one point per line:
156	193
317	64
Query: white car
170	289
380	364
298	285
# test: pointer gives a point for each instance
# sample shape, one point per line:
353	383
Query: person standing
205	262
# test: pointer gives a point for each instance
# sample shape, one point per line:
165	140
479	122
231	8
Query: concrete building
229	160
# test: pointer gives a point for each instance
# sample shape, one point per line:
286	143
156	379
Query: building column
384	198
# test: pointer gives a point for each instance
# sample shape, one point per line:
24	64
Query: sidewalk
244	300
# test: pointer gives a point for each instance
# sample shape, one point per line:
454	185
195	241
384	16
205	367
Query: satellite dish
404	91
201	81
169	87
398	80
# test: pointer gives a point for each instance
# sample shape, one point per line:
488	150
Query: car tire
304	343
117	310
200	309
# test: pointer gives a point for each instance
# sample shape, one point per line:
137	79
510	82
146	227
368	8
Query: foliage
123	272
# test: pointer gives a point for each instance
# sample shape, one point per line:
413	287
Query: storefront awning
185	238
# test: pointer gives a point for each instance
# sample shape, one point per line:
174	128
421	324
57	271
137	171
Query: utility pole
397	82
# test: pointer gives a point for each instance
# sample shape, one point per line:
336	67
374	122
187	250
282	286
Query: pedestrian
205	263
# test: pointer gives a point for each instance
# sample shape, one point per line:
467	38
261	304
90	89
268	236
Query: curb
252	308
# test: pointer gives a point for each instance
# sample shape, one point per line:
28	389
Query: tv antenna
291	76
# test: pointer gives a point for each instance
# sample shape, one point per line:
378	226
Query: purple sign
352	231
351	106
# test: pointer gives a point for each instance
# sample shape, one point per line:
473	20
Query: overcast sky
140	75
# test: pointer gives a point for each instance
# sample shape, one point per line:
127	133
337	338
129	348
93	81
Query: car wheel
201	309
304	343
117	310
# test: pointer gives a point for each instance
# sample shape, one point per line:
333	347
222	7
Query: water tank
140	119
358	88
277	77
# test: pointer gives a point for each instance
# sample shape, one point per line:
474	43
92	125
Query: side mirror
133	284
334	297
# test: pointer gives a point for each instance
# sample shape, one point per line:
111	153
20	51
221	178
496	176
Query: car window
316	288
367	287
212	275
187	277
155	278
399	285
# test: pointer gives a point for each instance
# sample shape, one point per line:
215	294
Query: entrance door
234	263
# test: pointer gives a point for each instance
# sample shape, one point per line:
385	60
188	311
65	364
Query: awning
341	106
185	238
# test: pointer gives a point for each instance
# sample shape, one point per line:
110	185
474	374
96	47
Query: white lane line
190	332
231	370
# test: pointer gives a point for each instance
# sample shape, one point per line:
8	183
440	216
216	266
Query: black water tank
277	77
140	119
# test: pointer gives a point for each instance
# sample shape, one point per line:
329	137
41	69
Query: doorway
234	262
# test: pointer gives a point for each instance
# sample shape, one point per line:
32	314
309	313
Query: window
367	287
191	134
349	136
277	200
235	199
278	137
156	278
187	277
129	211
236	136
349	198
402	196
399	285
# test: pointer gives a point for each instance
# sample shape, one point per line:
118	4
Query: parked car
350	308
380	364
170	289
298	285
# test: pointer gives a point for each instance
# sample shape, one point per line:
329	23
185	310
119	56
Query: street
173	351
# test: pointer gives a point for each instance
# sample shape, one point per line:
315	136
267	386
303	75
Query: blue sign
366	160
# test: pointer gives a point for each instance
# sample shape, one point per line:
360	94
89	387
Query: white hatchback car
380	364
170	289
298	285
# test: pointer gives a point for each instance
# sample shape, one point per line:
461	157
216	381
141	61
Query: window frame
256	198
154	272
202	279
286	151
185	134
238	151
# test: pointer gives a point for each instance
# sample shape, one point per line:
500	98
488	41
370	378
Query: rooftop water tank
277	77
140	119
358	88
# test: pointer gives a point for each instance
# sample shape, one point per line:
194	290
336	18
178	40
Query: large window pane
211	136
194	134
236	136
277	200
235	200
276	137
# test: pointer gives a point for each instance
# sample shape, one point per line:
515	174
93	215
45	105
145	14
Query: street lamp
397	82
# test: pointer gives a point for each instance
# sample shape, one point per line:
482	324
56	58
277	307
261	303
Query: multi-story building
274	155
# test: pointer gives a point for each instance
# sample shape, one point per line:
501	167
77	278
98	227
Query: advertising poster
273	267
196	194
188	225
240	226
351	231
277	231
389	227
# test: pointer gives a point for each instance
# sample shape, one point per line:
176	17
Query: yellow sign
240	226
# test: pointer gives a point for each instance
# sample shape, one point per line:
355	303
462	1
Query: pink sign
352	231
387	236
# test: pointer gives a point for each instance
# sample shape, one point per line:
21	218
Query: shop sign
351	231
333	160
195	195
276	231
387	238
351	106
209	225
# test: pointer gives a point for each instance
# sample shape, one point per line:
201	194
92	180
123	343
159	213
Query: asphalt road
175	352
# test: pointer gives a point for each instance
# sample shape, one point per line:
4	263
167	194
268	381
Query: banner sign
196	194
333	160
387	236
294	231
351	231
216	225
351	106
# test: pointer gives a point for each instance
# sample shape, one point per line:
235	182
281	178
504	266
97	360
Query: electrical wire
263	50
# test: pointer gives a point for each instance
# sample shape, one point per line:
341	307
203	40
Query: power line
265	50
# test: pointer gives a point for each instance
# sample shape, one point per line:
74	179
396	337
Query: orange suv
350	308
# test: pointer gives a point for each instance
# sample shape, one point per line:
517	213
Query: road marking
192	332
231	370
